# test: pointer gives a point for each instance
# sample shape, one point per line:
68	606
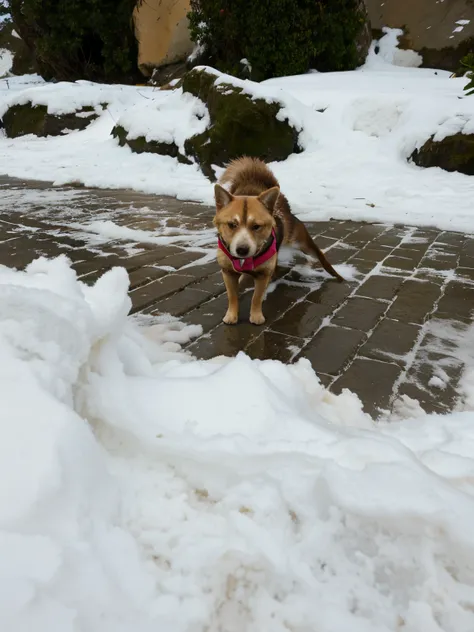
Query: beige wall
429	23
161	28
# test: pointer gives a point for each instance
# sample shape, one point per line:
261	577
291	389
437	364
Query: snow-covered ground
358	129
141	491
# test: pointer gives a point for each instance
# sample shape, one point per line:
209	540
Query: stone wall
161	27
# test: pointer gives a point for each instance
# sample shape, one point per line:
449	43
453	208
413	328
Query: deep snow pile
142	491
358	129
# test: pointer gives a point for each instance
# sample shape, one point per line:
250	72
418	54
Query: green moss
240	126
454	153
25	119
198	83
20	120
142	145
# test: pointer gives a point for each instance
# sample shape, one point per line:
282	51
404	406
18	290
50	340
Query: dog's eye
232	225
256	227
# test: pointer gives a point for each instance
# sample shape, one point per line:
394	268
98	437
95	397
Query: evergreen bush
79	39
278	37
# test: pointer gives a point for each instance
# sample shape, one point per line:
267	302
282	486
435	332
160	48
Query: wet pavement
399	327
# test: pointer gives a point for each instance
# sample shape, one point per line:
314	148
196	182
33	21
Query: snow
357	131
6	61
141	491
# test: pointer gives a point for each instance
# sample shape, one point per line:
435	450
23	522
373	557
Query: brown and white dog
253	220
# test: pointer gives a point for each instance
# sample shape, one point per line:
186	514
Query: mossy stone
20	120
453	153
240	125
198	83
23	58
141	144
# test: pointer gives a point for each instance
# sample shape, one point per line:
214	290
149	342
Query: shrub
278	37
79	39
468	63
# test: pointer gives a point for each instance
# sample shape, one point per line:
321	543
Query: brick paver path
399	327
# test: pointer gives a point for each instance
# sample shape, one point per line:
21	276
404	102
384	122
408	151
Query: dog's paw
230	318
257	319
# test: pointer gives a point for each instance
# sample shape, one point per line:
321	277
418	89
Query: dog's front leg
261	284
231	280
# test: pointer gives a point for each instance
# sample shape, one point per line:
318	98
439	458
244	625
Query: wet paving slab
398	327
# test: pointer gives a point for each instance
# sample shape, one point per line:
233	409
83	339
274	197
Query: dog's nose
242	251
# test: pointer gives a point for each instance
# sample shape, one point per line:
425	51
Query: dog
253	220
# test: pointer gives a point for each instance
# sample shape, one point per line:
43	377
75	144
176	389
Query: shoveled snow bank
144	490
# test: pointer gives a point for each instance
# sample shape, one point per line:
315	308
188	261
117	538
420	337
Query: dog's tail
248	176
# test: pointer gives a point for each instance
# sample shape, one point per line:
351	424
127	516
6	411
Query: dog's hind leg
310	248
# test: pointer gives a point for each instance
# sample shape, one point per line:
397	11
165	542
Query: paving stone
391	340
372	254
324	242
439	261
271	344
362	266
360	313
457	302
331	294
465	274
97	263
372	380
301	321
399	263
159	289
414	301
466	261
150	256
181	259
431	397
415	255
144	275
338	255
468	246
213	284
456	240
325	379
428	400
323	227
432	276
208	315
180	303
439	350
428	235
226	340
340	230
201	271
332	348
390	238
19	252
281	299
365	233
380	286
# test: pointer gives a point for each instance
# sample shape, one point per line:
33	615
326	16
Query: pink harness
250	263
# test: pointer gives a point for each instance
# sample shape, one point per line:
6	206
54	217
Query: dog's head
245	223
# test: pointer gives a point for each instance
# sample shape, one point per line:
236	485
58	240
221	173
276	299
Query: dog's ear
222	196
269	198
